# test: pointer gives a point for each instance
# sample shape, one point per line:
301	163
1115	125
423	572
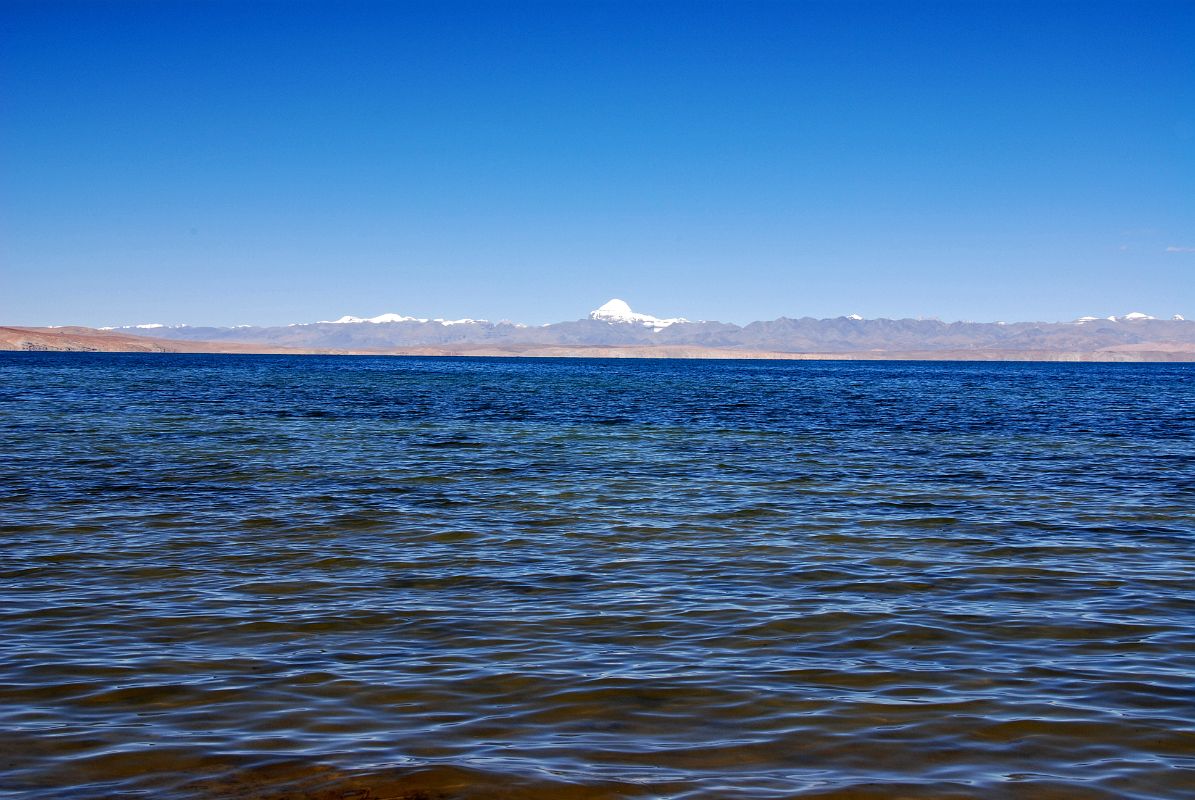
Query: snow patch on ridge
145	326
1132	316
618	311
381	319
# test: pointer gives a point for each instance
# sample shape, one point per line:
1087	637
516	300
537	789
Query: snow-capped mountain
618	311
1132	316
144	326
378	320
383	319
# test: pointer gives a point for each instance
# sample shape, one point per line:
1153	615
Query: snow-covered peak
615	311
1132	316
383	318
380	318
618	311
855	317
145	326
1179	318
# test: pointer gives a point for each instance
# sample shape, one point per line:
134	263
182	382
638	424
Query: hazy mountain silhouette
615	324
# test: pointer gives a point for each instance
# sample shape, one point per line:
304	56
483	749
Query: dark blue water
368	578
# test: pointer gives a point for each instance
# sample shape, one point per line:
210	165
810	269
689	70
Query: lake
380	578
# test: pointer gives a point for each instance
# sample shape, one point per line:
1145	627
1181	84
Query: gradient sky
225	163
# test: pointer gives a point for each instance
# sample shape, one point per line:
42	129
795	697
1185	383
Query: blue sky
229	163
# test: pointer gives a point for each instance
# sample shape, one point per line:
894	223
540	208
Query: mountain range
615	324
615	329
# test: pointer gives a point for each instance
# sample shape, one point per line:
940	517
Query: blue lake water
370	578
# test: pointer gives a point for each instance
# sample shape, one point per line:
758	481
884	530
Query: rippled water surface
368	578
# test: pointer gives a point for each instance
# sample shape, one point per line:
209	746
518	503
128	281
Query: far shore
93	340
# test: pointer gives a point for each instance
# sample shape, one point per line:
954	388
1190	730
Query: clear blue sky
231	163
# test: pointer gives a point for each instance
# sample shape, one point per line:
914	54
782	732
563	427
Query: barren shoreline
92	340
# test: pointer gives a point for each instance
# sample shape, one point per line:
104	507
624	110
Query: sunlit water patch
308	577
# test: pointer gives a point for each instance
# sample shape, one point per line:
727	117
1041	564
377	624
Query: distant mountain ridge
616	324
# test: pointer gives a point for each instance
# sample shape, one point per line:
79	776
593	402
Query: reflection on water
304	577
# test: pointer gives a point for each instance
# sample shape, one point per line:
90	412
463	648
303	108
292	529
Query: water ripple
333	578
